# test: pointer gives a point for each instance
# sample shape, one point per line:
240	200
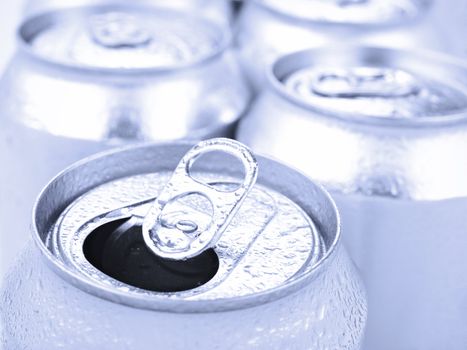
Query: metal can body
55	111
397	178
219	10
47	303
267	30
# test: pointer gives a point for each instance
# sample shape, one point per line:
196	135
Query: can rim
28	28
430	57
163	304
425	5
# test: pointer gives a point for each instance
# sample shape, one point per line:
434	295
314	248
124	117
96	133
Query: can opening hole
118	250
218	162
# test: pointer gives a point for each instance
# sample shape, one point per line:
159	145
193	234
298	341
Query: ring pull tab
119	30
184	231
366	82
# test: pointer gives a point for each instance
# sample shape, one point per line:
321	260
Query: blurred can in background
219	10
90	78
277	277
386	132
267	29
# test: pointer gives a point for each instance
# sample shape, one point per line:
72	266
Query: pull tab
119	30
364	82
180	234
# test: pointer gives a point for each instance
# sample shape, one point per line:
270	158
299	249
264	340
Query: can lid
122	37
366	85
270	244
370	12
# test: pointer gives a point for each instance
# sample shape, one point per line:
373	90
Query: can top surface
282	235
374	85
354	12
126	38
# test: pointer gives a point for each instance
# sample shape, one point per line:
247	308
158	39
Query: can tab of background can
366	82
119	30
367	86
173	232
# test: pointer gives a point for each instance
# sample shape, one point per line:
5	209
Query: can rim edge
23	46
428	121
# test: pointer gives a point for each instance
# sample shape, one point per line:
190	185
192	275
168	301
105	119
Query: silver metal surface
386	133
268	29
282	269
120	38
375	92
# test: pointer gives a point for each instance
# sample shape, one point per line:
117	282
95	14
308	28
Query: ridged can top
381	92
122	37
282	230
368	85
356	12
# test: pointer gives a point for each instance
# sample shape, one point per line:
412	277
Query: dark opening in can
118	250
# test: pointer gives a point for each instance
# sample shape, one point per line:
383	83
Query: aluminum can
219	10
386	132
87	79
267	29
131	250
